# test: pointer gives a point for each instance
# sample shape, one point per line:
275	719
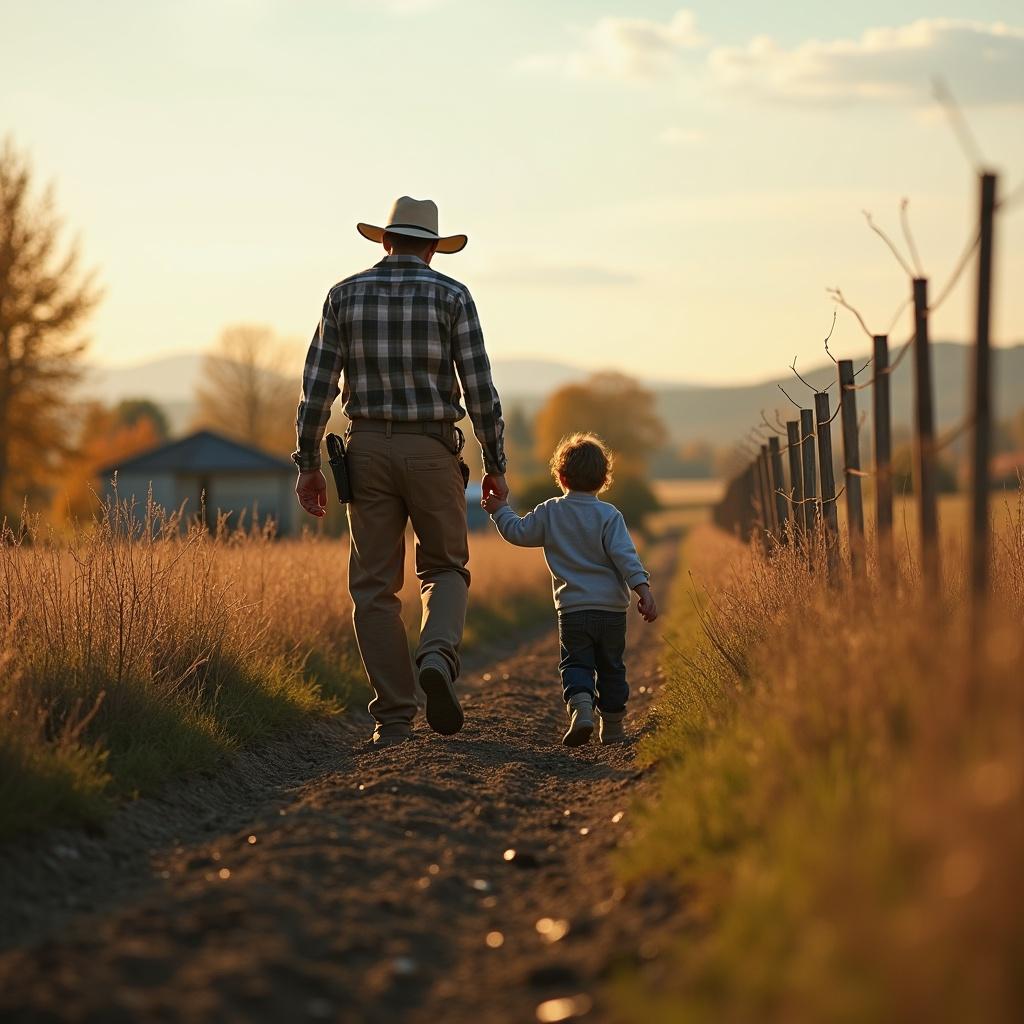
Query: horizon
642	184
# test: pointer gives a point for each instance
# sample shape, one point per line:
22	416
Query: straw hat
416	218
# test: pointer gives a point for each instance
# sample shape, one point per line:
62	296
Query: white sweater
587	547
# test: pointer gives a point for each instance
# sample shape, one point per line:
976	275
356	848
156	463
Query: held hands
311	490
494	492
646	605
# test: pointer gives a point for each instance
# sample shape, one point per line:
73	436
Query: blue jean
592	644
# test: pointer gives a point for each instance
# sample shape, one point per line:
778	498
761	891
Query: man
399	334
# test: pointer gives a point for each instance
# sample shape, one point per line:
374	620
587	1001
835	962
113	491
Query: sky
667	190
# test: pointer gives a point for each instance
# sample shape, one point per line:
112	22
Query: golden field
132	652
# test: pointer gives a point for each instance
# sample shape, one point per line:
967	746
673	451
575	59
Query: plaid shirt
398	333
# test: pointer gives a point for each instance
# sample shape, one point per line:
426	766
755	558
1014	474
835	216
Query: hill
717	413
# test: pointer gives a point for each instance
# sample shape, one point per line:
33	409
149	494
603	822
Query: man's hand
492	503
311	490
646	605
494	483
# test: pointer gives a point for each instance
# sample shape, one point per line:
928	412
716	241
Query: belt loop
387	429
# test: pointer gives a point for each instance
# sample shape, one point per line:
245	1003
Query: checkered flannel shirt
397	333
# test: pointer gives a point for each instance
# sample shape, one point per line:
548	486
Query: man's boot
612	727
580	709
444	712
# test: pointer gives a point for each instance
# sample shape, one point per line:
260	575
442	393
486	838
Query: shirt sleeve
622	552
474	370
324	365
526	531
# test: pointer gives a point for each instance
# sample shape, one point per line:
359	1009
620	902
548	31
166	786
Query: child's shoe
612	727
580	709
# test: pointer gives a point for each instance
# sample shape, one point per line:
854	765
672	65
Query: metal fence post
925	441
808	471
851	462
883	458
981	386
829	517
796	476
779	487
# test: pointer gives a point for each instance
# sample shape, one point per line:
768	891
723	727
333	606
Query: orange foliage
619	409
104	439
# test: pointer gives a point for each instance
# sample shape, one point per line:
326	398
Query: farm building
236	478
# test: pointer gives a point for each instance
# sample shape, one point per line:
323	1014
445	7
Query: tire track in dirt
369	891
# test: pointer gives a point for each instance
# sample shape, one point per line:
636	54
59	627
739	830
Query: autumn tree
106	436
622	412
617	408
249	388
45	299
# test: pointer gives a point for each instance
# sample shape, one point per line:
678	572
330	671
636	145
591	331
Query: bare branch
786	393
907	269
899	312
961	266
837	297
800	378
959	124
774	430
909	236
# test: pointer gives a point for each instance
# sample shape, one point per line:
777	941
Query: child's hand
492	503
646	605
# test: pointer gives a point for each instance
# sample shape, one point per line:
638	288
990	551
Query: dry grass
132	652
842	798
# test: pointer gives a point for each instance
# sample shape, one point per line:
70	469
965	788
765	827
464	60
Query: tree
130	411
249	388
106	436
44	301
617	408
621	412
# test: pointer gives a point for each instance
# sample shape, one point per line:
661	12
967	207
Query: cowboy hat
415	218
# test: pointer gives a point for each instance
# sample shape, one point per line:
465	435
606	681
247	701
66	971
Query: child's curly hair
583	462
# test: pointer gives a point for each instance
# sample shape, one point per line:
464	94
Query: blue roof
201	452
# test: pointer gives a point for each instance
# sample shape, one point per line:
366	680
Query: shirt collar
582	496
401	261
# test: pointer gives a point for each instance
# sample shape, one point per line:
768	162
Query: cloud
983	63
565	276
624	48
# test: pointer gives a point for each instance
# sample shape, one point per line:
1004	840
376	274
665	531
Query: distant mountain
720	414
175	377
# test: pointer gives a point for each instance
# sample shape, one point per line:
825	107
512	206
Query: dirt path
360	886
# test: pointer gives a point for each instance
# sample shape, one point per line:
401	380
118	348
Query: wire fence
794	501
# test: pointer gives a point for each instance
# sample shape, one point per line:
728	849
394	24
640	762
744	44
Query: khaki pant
397	478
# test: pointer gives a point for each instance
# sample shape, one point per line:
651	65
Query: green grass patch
838	810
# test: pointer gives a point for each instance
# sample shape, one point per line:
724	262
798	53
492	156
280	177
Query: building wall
258	495
136	486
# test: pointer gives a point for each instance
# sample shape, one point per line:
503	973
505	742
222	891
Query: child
593	566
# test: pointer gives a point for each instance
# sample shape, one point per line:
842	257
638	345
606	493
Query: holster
339	467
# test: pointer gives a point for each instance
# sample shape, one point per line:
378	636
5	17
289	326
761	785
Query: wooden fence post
779	488
766	501
851	462
755	479
769	491
829	517
883	458
925	441
808	472
982	405
796	476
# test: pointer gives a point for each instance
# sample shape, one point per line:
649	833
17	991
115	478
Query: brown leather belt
435	428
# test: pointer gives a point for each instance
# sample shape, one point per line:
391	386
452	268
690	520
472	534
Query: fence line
759	500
